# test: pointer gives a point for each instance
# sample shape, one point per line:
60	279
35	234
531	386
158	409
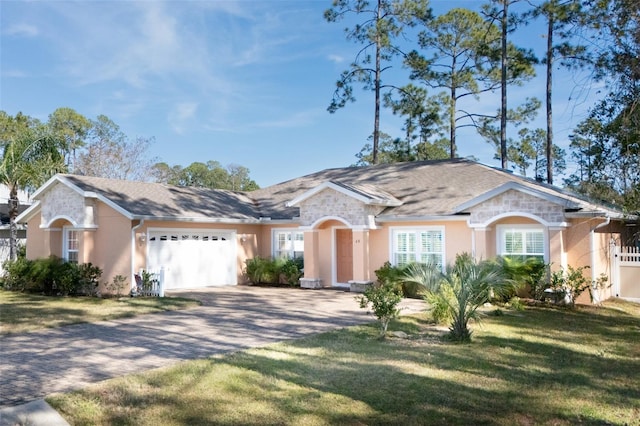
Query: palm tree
30	156
464	287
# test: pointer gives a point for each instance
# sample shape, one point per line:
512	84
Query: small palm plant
463	288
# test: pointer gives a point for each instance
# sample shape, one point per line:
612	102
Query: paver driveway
36	364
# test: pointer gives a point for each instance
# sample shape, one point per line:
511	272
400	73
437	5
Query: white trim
74	224
417	229
65	242
201	220
28	213
501	229
430	218
133	254
327	218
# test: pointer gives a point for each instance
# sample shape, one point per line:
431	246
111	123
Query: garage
193	258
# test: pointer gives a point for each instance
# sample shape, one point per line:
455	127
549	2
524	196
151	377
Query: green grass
539	366
21	312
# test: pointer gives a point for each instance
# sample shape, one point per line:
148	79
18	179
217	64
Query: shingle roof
168	201
425	188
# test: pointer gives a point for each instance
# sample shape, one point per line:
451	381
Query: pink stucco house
346	222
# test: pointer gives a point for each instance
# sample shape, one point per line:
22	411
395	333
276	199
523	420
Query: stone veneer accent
313	283
513	201
63	201
329	202
359	286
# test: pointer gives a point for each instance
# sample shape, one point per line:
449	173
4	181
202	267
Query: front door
344	255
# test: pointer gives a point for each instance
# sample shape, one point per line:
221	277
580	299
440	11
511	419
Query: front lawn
21	312
538	366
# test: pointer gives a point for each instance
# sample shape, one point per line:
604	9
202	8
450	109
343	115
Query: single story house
346	222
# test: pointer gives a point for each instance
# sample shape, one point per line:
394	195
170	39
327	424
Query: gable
336	204
60	201
513	202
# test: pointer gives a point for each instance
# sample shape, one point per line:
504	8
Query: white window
70	249
288	244
422	245
521	242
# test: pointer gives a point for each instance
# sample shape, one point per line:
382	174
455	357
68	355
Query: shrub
17	274
439	304
117	285
51	276
291	271
384	298
260	270
396	276
570	282
530	273
464	287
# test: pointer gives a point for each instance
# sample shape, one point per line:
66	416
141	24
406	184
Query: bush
530	273
51	276
291	271
260	270
16	274
439	304
395	275
572	283
117	285
383	298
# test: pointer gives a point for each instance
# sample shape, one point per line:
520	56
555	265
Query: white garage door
193	258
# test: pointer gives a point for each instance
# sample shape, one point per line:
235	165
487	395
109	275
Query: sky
239	82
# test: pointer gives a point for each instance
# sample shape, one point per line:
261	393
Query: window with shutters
288	244
70	245
422	245
521	242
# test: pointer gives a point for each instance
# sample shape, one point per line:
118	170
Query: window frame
66	240
291	253
522	229
416	231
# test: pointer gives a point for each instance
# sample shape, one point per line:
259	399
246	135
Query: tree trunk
503	76
452	109
13	227
549	147
376	119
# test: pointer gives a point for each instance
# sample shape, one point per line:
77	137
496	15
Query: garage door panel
193	258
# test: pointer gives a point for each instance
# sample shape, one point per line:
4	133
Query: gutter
595	292
133	252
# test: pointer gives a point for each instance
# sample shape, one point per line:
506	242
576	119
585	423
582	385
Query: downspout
595	292
133	252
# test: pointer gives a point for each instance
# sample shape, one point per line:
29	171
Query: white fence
153	285
626	272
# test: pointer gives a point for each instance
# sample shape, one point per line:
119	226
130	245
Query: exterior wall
109	246
457	240
38	244
331	203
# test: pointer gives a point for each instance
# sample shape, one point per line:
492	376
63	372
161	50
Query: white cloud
336	58
180	116
22	30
